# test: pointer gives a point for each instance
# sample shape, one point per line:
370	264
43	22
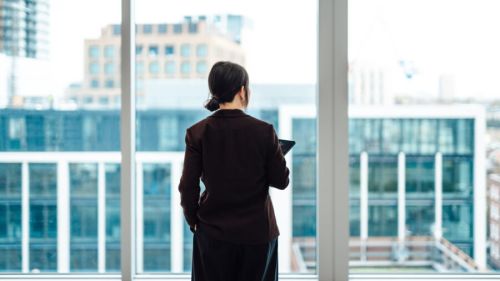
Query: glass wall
184	40
59	137
425	135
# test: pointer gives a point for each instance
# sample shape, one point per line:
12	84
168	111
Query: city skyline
384	31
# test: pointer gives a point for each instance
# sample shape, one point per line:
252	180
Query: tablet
286	145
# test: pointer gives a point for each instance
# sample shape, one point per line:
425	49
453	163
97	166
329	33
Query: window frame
333	162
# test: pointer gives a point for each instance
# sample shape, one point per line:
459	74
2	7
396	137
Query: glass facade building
71	159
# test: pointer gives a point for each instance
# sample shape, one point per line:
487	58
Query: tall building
24	26
183	50
24	48
416	184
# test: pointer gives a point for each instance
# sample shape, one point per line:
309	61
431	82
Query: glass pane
10	217
43	217
59	132
190	37
83	214
423	137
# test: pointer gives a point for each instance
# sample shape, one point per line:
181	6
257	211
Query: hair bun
212	104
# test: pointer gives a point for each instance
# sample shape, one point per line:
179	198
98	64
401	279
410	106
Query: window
94	83
94	68
201	50
112	180
177	28
154	67
104	100
43	214
193	28
185	50
117	30
201	67
162	28
10	216
156	185
94	51
153	50
382	177
88	100
139	67
185	67
138	49
147	29
426	156
83	214
169	50
110	83
170	67
109	51
54	147
160	135
109	68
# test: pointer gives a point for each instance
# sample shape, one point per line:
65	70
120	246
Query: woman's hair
225	81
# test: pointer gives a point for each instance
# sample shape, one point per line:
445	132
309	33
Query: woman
237	157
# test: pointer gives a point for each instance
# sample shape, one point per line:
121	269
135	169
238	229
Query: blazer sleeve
277	172
189	186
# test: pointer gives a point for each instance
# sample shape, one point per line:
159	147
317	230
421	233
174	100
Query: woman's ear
242	93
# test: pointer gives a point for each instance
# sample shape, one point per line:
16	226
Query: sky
452	37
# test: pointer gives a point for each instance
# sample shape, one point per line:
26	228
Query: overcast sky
457	37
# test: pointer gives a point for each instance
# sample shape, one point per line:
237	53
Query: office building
416	182
184	50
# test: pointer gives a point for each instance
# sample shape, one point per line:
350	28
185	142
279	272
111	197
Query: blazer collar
229	113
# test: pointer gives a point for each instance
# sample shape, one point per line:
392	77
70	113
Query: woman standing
238	157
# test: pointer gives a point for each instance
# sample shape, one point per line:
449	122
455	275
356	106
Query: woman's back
239	160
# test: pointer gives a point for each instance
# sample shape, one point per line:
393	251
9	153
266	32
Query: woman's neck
231	105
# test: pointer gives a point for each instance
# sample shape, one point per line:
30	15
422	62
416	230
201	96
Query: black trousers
215	260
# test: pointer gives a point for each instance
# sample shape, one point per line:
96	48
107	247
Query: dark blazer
237	157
